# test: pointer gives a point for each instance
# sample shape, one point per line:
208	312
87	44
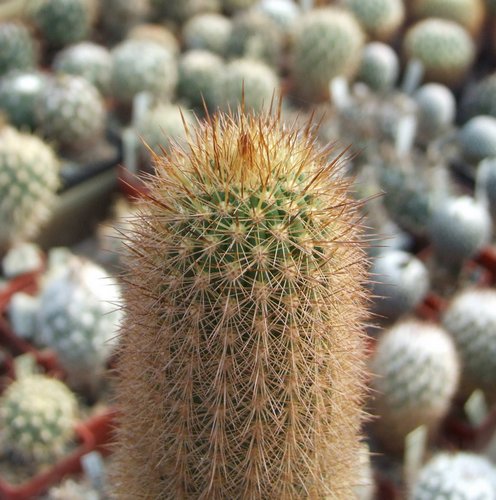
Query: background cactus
477	138
327	43
208	31
118	17
246	275
70	112
480	98
445	49
379	67
471	321
17	47
181	10
29	177
19	94
460	475
89	60
416	373
38	416
381	19
155	33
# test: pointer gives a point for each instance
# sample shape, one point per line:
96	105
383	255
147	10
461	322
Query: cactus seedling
241	359
416	375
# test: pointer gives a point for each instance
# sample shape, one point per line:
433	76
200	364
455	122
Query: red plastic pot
102	428
487	259
27	283
43	481
130	184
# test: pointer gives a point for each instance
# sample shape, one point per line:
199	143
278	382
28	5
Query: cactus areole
241	364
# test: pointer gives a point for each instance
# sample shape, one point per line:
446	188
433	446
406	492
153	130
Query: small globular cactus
156	33
235	5
38	416
381	19
480	98
436	110
327	43
461	475
19	94
208	31
240	372
458	229
477	138
29	178
17	47
118	17
445	49
89	60
254	80
181	10
200	78
379	68
284	13
70	112
400	282
486	184
471	321
416	373
142	66
62	22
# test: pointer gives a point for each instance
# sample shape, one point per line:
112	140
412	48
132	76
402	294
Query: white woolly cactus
399	282
379	67
416	375
38	416
208	31
70	112
458	229
460	476
477	138
436	110
29	177
471	321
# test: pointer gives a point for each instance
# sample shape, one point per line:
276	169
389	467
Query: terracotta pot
27	283
43	481
102	428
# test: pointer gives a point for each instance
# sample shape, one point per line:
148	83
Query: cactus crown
246	283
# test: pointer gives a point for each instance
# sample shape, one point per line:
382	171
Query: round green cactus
89	60
62	22
444	48
70	111
468	13
241	360
381	19
181	10
156	33
436	110
458	229
208	31
142	66
118	17
379	67
284	13
19	94
200	78
254	80
78	318
38	416
462	475
416	373
477	138
480	98
327	43
486	184
17	47
29	177
254	35
471	321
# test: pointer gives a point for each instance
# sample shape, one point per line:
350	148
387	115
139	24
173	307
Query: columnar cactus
19	93
62	22
464	476
200	78
70	111
89	60
471	321
38	416
416	375
241	359
379	67
445	49
17	47
29	177
328	43
142	66
381	19
208	31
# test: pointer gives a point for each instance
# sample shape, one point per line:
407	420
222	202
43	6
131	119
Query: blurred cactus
379	67
477	138
118	17
155	33
181	10
416	373
480	98
17	47
208	31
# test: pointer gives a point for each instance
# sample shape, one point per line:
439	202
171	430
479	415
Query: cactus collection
296	202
